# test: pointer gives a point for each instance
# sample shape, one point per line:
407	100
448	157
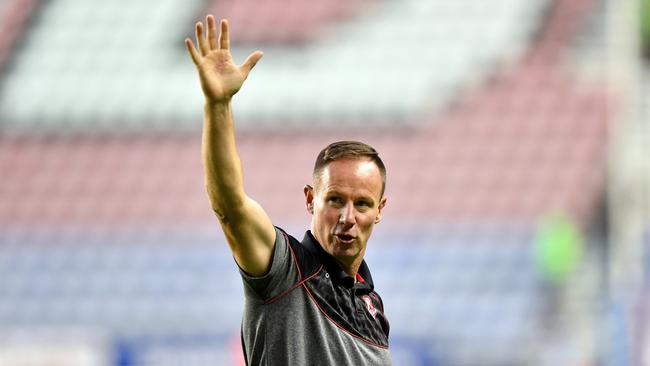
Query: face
346	203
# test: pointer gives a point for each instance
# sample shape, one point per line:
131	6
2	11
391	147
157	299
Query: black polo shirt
308	311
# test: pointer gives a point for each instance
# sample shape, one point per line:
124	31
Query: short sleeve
282	275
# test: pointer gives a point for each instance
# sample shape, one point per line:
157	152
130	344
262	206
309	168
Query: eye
364	204
335	200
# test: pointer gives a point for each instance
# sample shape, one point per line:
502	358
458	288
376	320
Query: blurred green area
645	28
559	247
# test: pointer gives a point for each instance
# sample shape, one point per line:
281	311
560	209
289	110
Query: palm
220	77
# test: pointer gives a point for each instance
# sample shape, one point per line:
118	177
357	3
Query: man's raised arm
247	227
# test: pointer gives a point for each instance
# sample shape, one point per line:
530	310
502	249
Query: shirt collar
336	272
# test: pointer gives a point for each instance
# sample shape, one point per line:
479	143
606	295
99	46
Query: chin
350	252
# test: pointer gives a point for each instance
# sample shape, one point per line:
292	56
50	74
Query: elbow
221	215
227	208
228	215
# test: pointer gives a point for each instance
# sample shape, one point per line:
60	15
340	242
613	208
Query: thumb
251	61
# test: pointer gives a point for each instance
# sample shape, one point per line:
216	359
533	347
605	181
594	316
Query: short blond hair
349	149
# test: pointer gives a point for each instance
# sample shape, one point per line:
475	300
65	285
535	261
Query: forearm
221	162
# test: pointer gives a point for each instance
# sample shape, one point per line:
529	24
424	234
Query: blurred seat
461	284
122	282
14	15
283	21
351	64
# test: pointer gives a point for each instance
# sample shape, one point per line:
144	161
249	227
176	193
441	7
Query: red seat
282	21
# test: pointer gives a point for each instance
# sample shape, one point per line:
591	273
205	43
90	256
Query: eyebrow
368	198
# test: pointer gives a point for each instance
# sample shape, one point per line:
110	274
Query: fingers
209	41
251	61
200	39
224	38
212	37
192	50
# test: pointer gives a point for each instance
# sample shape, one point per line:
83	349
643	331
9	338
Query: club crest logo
369	305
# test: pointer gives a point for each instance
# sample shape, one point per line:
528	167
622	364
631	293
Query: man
309	302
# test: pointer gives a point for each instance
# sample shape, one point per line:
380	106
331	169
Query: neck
347	264
351	269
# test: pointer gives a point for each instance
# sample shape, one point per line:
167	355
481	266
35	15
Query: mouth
345	238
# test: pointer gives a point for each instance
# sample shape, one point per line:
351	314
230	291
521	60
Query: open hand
220	77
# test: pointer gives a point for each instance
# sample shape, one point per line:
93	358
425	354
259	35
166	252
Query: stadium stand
104	224
152	284
279	22
13	16
345	77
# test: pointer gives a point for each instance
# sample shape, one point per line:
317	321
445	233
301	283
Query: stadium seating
345	77
13	14
281	22
165	281
104	222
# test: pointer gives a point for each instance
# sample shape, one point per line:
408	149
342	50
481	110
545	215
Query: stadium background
515	135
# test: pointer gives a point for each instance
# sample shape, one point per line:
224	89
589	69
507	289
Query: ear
309	198
382	203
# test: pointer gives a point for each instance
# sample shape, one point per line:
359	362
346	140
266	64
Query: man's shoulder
306	261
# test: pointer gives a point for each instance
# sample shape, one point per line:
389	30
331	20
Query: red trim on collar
359	278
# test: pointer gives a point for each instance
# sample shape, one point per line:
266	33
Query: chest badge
370	306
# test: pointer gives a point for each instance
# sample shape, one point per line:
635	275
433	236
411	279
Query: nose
347	214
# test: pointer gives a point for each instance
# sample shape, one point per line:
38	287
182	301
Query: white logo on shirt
370	306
